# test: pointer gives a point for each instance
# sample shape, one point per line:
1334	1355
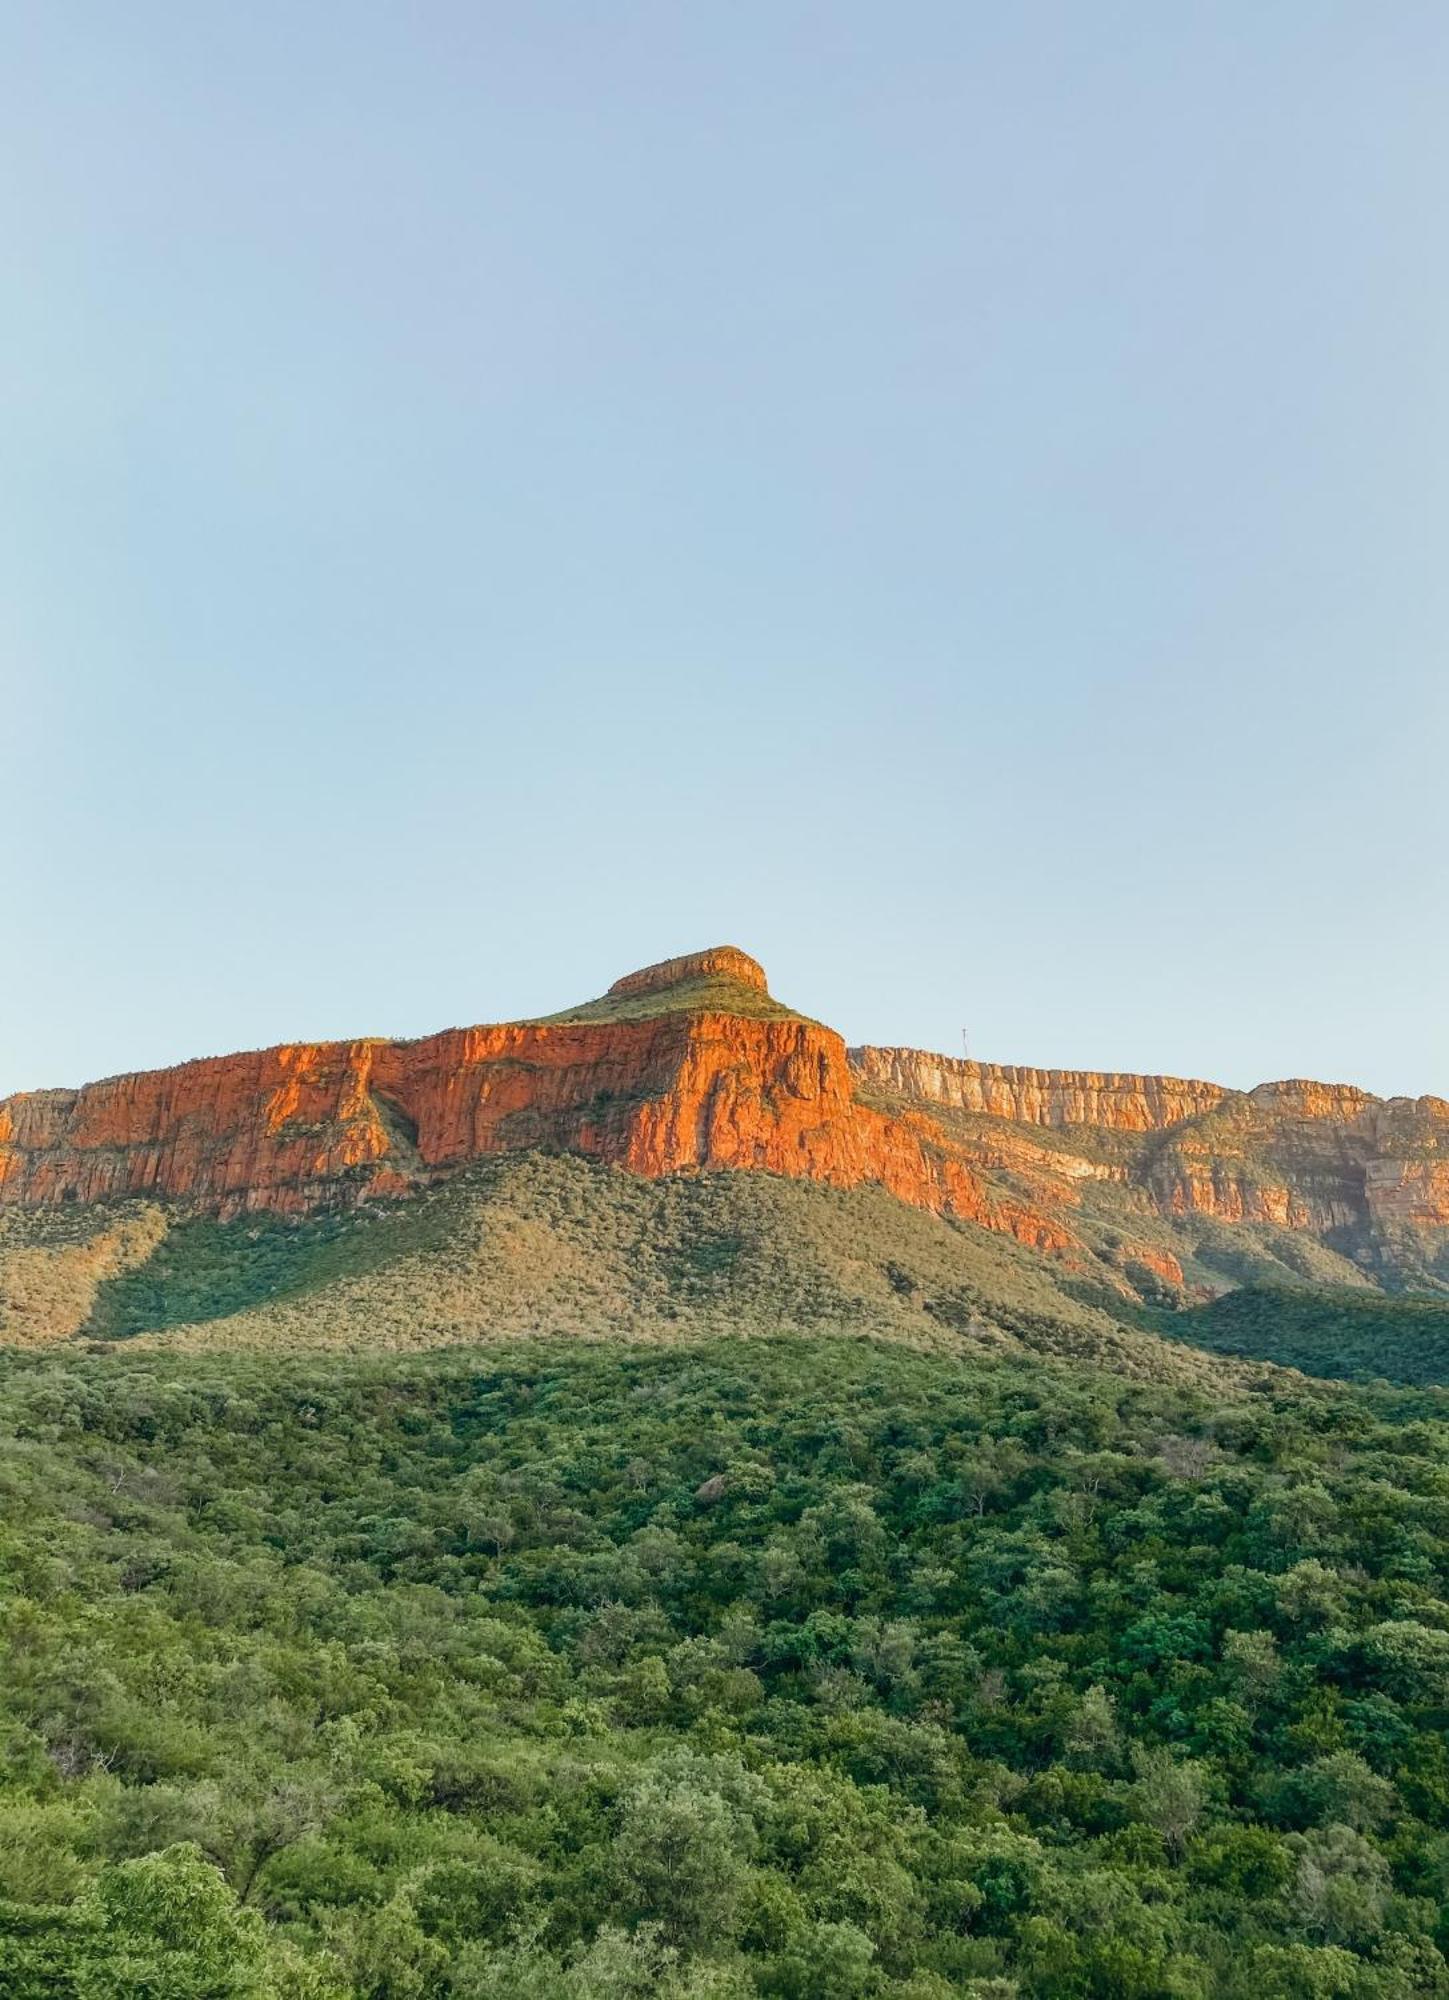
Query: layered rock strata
1358	1172
295	1127
1038	1096
697	1083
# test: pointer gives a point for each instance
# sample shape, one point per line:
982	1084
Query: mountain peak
721	961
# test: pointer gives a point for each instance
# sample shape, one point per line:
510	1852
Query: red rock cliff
294	1127
691	1065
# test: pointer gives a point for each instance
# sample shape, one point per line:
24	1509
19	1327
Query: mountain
1045	1638
686	1065
499	1177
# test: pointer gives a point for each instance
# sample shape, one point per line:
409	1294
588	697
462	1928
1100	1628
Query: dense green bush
813	1670
1347	1335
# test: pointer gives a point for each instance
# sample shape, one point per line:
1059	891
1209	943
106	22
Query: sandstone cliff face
1322	1157
696	1085
1366	1176
1407	1194
291	1128
1038	1096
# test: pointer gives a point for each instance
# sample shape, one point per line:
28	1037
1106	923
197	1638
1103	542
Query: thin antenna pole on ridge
965	1046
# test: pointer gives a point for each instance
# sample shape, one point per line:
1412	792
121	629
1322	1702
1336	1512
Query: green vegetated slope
544	1244
819	1669
541	1244
714	993
1356	1335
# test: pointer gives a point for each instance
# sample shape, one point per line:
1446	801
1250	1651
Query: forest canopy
806	1669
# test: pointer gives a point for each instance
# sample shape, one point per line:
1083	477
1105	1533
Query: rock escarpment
690	1065
1038	1096
1365	1177
296	1127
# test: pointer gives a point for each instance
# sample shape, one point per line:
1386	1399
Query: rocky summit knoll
1151	1184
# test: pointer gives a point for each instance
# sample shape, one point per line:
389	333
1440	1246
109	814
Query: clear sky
948	496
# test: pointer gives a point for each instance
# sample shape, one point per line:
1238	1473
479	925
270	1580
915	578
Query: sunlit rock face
691	1087
1039	1096
689	1065
723	961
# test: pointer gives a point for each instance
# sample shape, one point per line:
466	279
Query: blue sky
951	498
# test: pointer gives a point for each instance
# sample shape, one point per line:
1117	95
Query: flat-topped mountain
685	1065
1151	1185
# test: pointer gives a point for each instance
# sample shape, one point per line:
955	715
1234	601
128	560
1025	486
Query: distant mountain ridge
1363	1176
1151	1183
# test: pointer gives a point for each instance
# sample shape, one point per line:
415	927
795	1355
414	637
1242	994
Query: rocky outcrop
1407	1194
1297	1097
725	961
1366	1176
295	1127
669	1075
1057	1097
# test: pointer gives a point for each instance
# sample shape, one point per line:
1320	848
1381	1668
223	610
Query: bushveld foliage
1353	1335
810	1669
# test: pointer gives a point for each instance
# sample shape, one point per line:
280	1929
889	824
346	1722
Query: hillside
782	1670
1357	1336
648	1505
552	1244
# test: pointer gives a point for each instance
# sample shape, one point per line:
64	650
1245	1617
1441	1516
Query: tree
1168	1795
1090	1736
677	1861
1342	1885
167	1927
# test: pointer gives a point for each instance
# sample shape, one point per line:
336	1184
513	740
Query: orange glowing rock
690	1066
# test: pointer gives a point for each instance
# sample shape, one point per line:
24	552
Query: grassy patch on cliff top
710	994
